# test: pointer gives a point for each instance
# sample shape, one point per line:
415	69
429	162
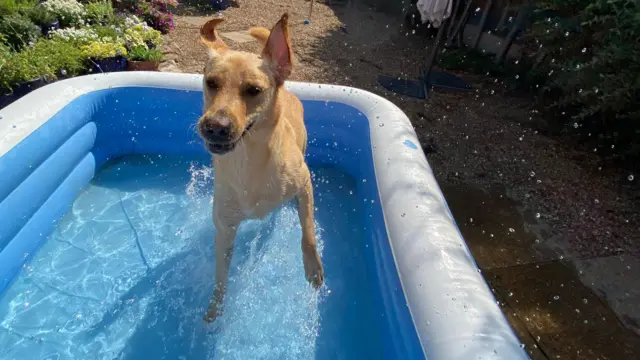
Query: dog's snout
216	128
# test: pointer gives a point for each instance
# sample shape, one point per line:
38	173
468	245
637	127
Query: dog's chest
260	188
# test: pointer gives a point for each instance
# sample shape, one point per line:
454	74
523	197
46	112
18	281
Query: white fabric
434	11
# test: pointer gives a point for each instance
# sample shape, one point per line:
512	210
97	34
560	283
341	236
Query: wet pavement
560	307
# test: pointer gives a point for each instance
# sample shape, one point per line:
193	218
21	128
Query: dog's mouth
220	148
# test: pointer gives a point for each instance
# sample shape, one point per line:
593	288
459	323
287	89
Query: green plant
142	53
104	31
100	12
142	35
8	7
19	31
5	58
61	57
68	12
104	49
40	16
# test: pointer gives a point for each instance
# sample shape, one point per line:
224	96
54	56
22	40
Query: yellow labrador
255	131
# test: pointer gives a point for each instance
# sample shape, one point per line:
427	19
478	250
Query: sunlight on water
129	271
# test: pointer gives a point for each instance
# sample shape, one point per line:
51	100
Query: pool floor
129	271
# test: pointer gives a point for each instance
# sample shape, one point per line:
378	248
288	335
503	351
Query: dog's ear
278	49
210	38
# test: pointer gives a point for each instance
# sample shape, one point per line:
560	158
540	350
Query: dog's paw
313	270
212	314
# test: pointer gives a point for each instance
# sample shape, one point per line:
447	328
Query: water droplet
537	215
556	297
510	294
575	125
512	230
585	301
630	177
381	124
532	174
584	50
537	241
470	220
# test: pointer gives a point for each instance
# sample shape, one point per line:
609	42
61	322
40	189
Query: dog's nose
216	128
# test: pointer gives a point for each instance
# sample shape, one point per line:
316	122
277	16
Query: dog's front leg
226	228
312	265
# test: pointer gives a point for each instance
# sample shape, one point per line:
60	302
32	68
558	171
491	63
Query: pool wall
437	305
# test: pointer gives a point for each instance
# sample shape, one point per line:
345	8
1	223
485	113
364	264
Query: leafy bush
8	7
104	49
142	53
74	36
141	35
68	12
5	58
100	12
155	17
597	69
46	59
62	58
110	31
19	31
40	16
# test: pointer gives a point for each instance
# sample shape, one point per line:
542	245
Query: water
129	271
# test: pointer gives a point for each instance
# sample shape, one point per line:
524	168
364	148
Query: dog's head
240	87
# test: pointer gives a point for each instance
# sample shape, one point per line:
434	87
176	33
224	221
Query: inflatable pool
106	239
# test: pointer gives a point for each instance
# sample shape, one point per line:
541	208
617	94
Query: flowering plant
140	34
164	5
81	36
104	48
156	18
68	12
163	22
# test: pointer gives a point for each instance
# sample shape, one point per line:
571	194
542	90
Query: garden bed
43	41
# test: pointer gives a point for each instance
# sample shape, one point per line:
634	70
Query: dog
254	129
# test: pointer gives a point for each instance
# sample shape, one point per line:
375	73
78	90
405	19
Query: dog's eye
253	91
212	84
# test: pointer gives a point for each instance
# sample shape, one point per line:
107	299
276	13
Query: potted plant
105	55
141	58
23	72
46	20
18	30
138	33
69	12
99	12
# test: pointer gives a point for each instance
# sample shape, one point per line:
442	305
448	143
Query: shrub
110	31
165	5
100	12
19	31
142	53
75	36
156	18
8	7
104	49
40	16
143	35
597	69
62	58
68	12
5	57
25	66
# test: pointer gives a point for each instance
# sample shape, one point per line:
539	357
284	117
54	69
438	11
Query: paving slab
565	317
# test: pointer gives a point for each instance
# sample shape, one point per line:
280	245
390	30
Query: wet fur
266	166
